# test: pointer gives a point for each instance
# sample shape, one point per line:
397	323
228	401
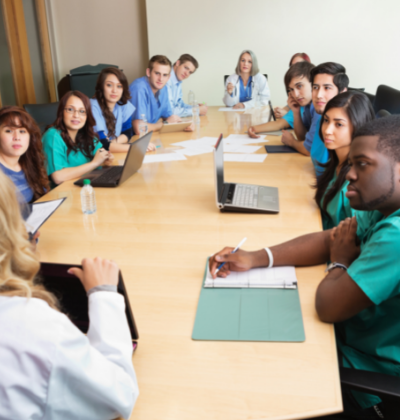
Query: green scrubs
338	208
56	152
371	339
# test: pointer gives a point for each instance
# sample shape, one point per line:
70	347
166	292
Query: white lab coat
259	91
49	370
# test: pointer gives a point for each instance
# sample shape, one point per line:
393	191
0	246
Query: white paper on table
236	157
243	139
275	277
163	157
204	141
240	148
194	151
40	213
232	110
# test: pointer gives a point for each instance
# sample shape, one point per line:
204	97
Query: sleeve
98	116
308	141
93	375
101	135
166	104
261	90
231	100
55	150
289	118
139	101
179	108
374	271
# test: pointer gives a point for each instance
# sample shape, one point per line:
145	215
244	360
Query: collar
173	79
149	88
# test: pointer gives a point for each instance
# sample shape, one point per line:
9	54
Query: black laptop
73	298
112	176
241	198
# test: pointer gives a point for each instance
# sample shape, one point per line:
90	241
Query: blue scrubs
319	153
144	101
245	92
123	118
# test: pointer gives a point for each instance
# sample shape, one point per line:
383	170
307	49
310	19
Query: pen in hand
240	244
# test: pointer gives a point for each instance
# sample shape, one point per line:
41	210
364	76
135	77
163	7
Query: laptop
242	198
112	176
73	299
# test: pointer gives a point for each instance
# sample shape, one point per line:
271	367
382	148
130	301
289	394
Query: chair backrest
84	78
43	114
226	76
387	98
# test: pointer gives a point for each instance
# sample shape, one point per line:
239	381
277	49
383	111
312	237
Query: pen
240	244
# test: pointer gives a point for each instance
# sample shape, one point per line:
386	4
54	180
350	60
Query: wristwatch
333	265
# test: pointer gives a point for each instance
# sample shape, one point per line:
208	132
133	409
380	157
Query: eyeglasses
81	112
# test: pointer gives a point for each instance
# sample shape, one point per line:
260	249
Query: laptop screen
72	296
219	168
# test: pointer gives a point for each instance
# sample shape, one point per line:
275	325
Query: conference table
160	226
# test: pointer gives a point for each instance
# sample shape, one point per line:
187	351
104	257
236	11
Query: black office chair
226	76
43	114
387	98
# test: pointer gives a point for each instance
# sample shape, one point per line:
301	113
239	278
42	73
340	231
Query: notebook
280	149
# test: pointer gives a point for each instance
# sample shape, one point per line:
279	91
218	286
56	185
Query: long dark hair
32	161
359	110
99	95
86	136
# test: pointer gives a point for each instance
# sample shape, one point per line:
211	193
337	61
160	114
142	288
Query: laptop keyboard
245	196
110	176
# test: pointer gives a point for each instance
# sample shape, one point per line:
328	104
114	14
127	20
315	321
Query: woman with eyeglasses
21	155
247	87
70	143
113	111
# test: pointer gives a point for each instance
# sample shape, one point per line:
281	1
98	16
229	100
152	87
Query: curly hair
99	95
86	136
19	264
32	161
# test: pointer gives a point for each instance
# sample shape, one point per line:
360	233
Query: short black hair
340	78
388	131
297	70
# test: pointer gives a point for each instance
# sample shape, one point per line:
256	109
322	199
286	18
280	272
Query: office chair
387	98
226	76
43	114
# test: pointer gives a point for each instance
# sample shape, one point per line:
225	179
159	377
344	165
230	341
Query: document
204	141
193	151
243	139
275	277
236	157
40	213
239	148
163	157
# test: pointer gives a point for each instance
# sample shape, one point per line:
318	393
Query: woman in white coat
49	369
246	88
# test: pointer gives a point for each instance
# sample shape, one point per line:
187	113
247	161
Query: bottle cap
86	182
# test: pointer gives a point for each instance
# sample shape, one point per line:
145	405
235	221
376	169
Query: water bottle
196	112
191	97
143	127
88	199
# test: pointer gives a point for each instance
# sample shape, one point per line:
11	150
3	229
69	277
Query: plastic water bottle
191	97
196	112
88	199
143	127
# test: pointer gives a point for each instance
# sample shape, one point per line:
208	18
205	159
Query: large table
160	226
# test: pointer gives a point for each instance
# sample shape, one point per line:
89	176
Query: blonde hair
19	264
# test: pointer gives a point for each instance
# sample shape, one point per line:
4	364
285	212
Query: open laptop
242	198
112	176
73	298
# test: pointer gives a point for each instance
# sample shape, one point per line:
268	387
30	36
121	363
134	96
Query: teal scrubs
338	208
55	150
370	340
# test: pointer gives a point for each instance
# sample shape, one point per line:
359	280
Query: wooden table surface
160	226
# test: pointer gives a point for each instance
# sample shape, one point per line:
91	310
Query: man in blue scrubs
183	68
361	292
149	96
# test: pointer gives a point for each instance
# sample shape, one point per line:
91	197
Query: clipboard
172	128
248	315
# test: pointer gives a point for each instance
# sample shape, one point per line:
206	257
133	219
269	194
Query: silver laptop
241	198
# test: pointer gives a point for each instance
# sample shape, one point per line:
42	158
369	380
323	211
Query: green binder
248	315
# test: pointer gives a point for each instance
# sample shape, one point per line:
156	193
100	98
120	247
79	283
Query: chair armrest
380	384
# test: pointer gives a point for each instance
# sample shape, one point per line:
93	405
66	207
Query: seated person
328	80
49	368
297	58
149	96
343	116
112	111
247	87
182	69
361	291
70	143
21	155
302	115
